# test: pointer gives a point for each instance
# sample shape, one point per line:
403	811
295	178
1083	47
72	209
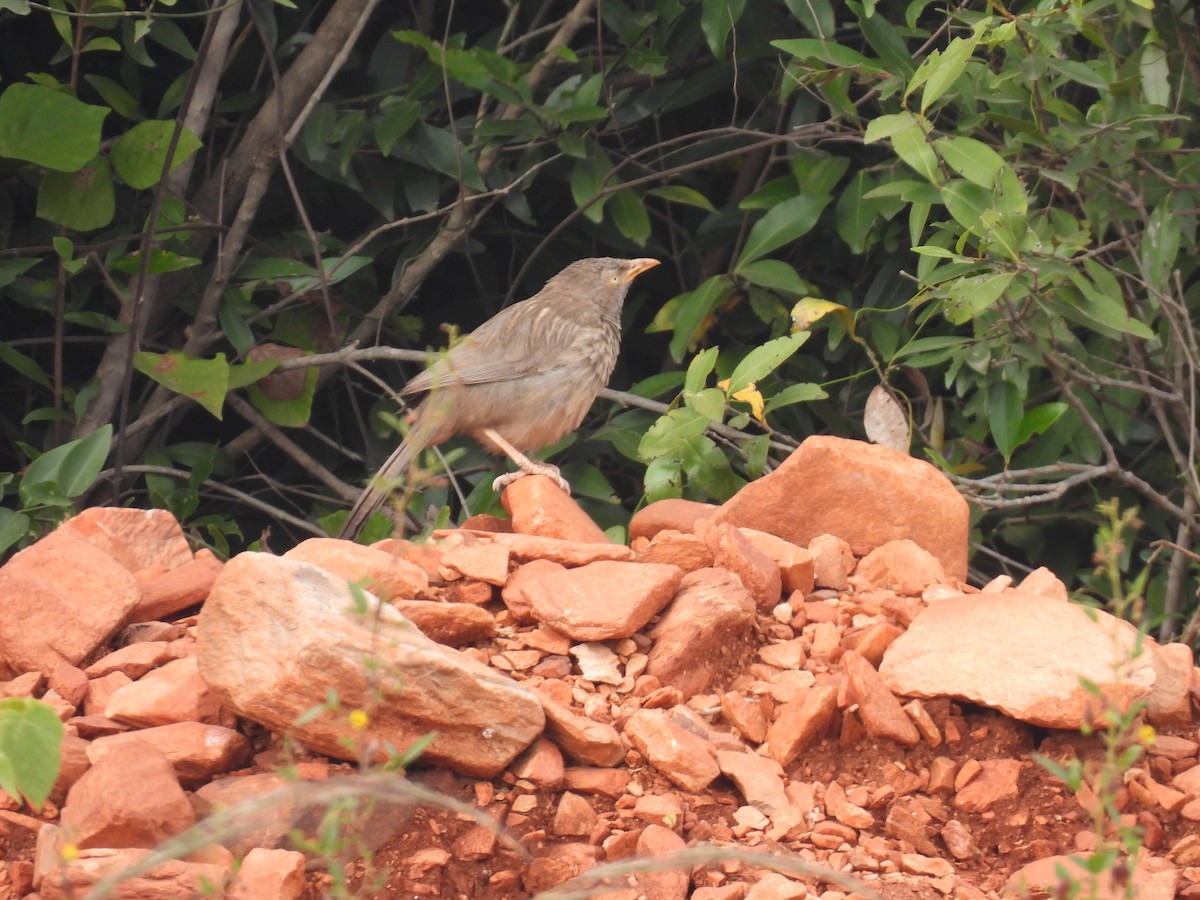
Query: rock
541	764
69	683
28	684
703	633
525	547
795	563
135	660
746	715
597	601
672	514
881	712
1169	703
671	883
574	816
388	577
802	722
486	562
872	641
594	743
758	779
197	752
1153	878
303	614
833	562
683	757
452	624
687	551
734	552
268	875
73	762
128	798
135	538
1020	654
660	809
177	589
839	807
1045	583
901	566
863	493
100	690
996	781
959	840
539	506
60	599
774	886
168	880
597	663
609	783
173	693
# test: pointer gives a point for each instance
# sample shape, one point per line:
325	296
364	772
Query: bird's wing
527	338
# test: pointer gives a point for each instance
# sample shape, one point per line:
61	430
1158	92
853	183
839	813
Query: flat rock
168	880
539	506
795	563
597	601
136	538
673	514
1019	653
60	599
128	798
388	576
688	551
197	752
1153	878
135	660
682	756
656	842
581	738
703	633
758	779
304	616
524	547
177	589
452	624
863	493
172	693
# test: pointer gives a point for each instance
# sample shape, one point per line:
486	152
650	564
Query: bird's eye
615	278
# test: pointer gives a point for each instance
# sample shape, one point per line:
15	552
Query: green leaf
26	365
699	369
292	413
855	213
1004	401
774	275
30	740
678	193
204	380
13	526
116	96
827	52
587	179
972	159
795	393
84	200
912	146
763	360
630	216
709	402
788	221
1037	420
140	153
1155	71
939	71
70	469
717	18
663	480
693	308
160	261
666	436
49	127
970	296
242	374
398	118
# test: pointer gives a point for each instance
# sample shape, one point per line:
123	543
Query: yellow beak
638	266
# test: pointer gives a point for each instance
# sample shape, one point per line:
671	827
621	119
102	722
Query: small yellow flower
69	852
1146	735
359	720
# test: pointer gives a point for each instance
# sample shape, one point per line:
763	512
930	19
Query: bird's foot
533	468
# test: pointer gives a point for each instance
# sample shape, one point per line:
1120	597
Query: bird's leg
526	465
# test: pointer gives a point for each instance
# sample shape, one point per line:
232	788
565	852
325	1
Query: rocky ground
793	694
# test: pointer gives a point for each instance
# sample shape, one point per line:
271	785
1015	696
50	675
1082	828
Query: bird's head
604	278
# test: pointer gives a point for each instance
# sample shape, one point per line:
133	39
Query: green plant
30	740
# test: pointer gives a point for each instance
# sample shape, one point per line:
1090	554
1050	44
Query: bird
520	381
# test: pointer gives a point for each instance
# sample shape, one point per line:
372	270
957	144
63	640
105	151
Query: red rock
60	599
134	660
273	807
657	842
568	860
673	514
863	493
660	809
484	562
172	693
609	783
833	562
73	762
128	798
746	715
539	506
482	719
683	757
802	722
758	779
451	624
595	602
1045	583
773	886
872	641
734	552
69	682
476	843
997	781
901	566
166	881
61	707
594	743
29	684
838	806
675	548
197	752
388	577
268	875
735	891
881	712
100	690
425	556
573	817
702	635
1021	654
525	547
1153	878
1169	703
959	840
177	589
795	563
541	764
135	538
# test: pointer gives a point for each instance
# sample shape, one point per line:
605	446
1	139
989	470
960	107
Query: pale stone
1170	702
597	663
136	538
1021	654
902	566
268	875
481	719
758	779
833	562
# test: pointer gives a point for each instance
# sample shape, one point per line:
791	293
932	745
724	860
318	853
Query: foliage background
989	209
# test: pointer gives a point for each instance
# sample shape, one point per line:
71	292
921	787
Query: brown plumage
523	379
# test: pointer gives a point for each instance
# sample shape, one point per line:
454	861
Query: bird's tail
377	491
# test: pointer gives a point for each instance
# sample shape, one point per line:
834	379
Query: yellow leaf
809	310
748	394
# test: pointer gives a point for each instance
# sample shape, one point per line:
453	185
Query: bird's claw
551	472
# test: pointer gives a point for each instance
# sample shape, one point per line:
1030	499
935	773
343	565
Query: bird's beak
638	266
